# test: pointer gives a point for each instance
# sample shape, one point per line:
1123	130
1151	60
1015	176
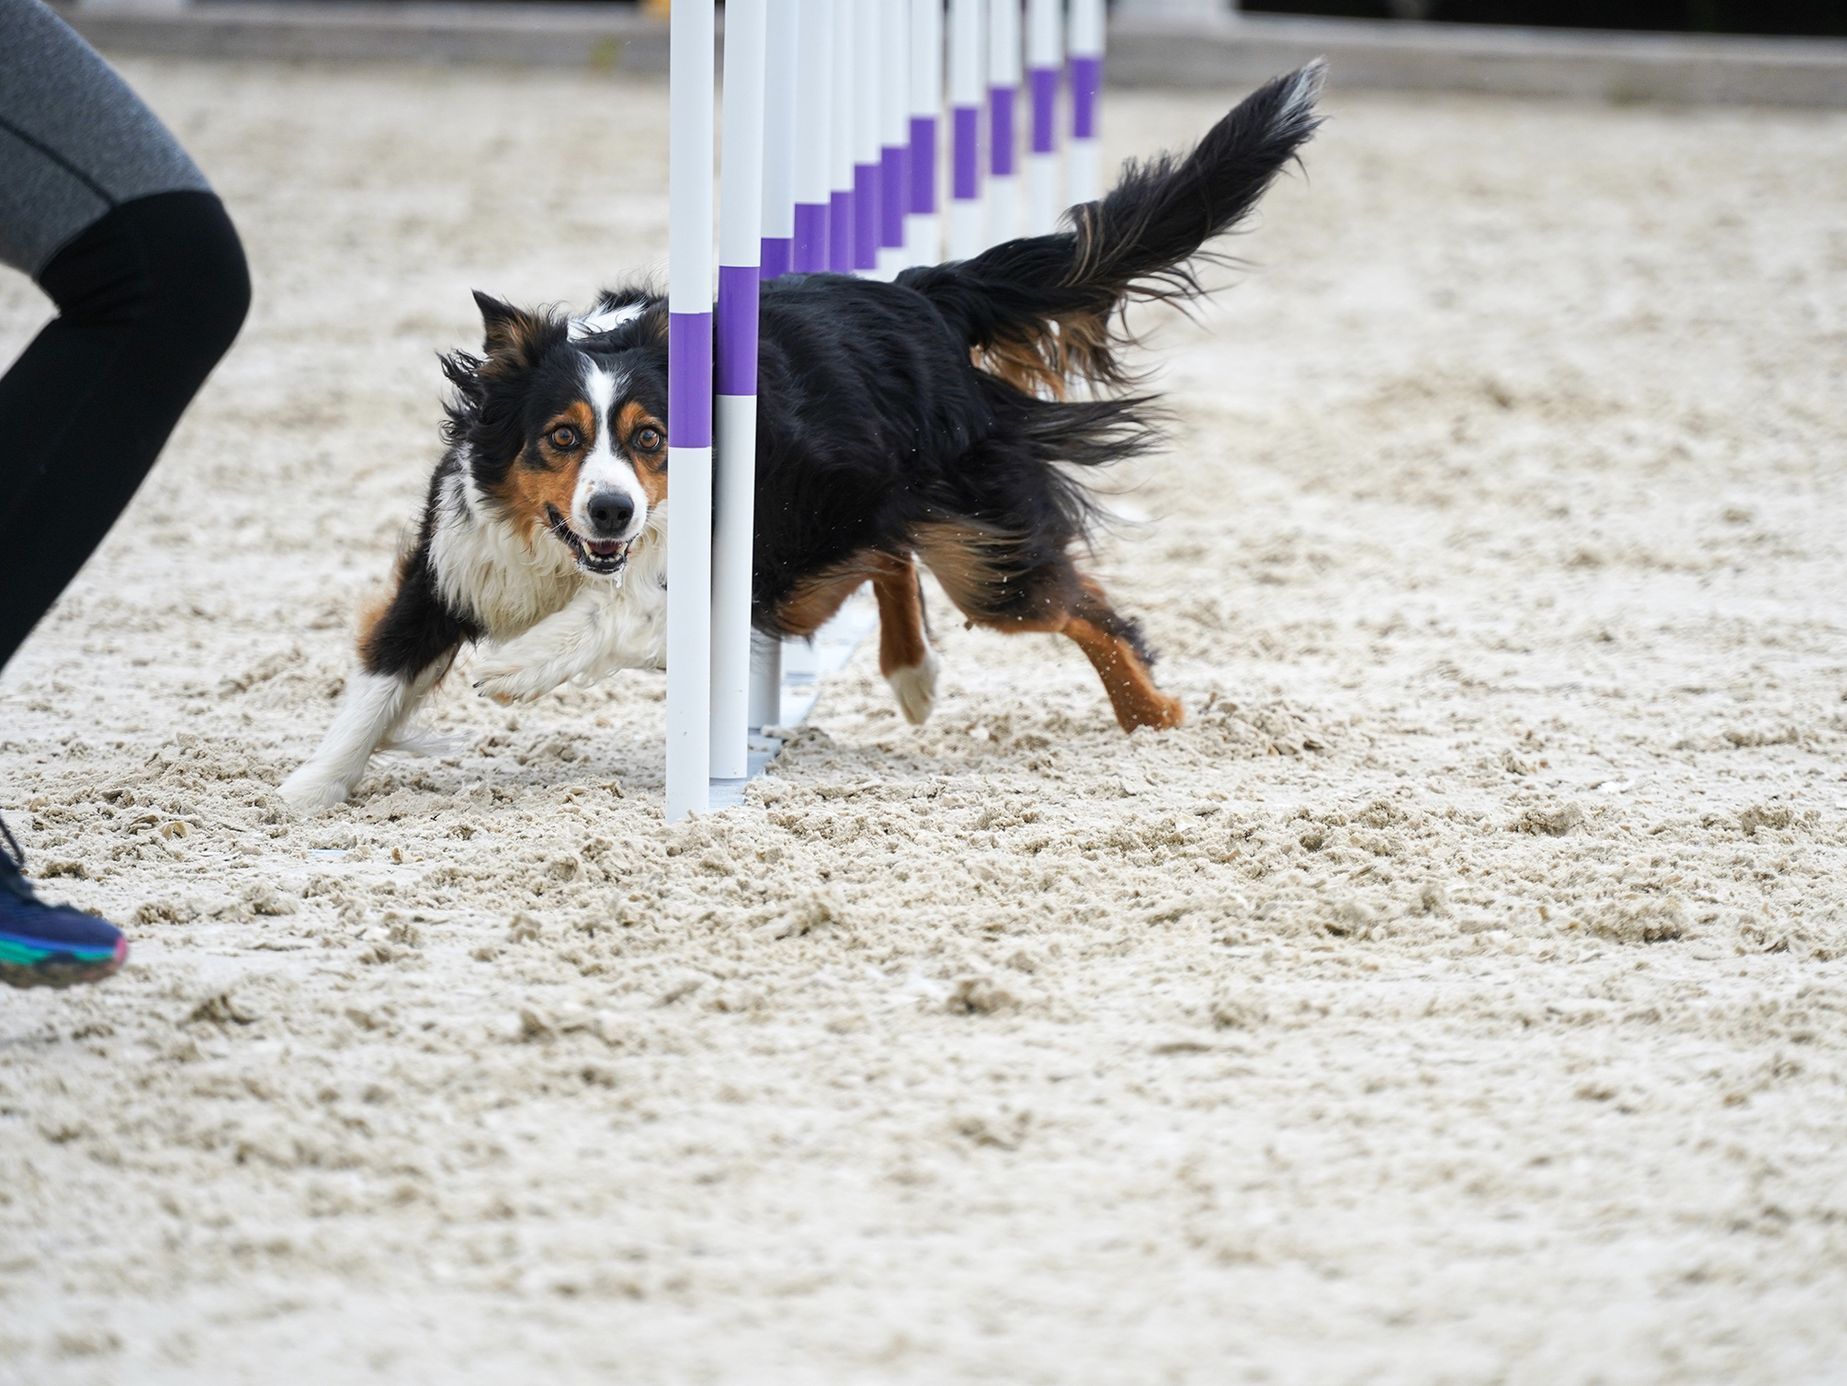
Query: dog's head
563	423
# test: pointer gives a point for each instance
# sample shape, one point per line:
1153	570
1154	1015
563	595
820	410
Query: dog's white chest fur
630	616
596	626
532	600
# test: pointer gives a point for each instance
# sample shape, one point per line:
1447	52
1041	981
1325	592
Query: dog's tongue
605	548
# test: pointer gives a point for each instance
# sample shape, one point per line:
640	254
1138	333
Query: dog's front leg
403	654
564	645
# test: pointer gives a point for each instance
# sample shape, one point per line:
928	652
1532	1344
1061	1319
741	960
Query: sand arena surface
1458	997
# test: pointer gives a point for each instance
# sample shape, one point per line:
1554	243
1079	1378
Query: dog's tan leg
814	600
1115	650
905	658
983	574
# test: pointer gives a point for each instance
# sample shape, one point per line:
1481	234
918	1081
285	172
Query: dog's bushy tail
1043	310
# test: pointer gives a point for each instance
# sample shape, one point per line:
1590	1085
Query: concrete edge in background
1229	55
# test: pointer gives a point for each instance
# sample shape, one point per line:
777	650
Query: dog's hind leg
1029	584
1114	646
403	653
905	658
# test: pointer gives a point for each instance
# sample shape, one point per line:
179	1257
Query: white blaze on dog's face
610	506
567	443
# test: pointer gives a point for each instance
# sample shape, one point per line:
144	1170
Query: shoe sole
24	963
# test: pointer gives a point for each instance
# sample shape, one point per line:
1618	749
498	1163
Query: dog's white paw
311	790
421	741
915	687
510	683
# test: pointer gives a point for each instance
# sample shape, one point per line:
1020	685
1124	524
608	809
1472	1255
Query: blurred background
1824	17
1788	17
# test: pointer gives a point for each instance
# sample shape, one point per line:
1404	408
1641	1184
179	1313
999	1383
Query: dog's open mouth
604	557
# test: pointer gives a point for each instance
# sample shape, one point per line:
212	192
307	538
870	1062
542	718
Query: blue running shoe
43	945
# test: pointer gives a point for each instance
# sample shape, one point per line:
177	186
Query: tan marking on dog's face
544	478
556	440
643	439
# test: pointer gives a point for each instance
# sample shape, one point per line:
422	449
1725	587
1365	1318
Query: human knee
169	267
202	291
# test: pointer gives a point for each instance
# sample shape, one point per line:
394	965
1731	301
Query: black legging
149	297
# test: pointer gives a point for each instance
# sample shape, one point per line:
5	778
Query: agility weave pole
832	122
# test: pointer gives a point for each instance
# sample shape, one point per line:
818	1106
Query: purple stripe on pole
737	330
810	251
865	216
891	197
923	164
1086	92
689	379
778	254
967	152
1004	138
840	232
1045	109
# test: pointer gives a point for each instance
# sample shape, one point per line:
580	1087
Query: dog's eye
648	439
563	438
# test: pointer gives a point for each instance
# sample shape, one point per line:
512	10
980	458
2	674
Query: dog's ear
508	331
652	325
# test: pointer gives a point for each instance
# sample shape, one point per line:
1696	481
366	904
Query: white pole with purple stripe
868	40
740	244
691	149
1003	120
923	223
1044	67
794	230
1087	42
778	139
814	149
840	139
967	234
894	134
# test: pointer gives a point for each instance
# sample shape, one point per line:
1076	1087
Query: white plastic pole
923	222
868	41
778	139
1004	75
840	139
740	246
794	226
967	235
1044	68
1087	44
894	133
689	304
814	120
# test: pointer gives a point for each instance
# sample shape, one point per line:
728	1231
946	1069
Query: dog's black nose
610	512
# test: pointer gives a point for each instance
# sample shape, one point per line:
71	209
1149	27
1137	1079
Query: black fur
1143	241
417	629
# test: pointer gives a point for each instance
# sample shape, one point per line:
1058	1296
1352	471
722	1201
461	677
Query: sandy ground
1459	997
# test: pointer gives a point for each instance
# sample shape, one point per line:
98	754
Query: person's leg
103	209
149	297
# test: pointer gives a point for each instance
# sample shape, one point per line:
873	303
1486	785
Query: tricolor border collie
923	421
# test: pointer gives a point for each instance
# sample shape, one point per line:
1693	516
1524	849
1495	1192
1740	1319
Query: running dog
929	420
